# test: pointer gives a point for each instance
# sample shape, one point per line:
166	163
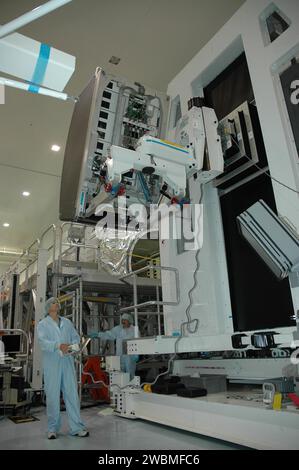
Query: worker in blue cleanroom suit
121	333
55	335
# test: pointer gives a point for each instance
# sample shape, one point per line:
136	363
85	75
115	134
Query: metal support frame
2	294
43	252
158	310
39	314
63	243
156	302
14	305
76	298
30	257
27	253
52	229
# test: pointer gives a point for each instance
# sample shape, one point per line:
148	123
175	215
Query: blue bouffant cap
127	316
49	302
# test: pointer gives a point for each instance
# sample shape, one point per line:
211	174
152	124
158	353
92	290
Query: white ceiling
154	38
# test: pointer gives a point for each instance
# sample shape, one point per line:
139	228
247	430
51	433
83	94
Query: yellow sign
277	401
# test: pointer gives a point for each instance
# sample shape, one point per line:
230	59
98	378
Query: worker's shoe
82	433
52	435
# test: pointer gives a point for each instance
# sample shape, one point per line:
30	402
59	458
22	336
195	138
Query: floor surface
106	433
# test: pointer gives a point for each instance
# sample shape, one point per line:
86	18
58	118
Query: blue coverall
59	373
120	334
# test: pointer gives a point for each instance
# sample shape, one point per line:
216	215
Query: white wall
244	30
242	33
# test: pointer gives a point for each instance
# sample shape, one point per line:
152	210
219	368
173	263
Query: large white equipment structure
241	417
232	317
114	148
234	323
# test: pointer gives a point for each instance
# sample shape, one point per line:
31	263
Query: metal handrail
148	304
79	245
14	265
28	266
145	268
26	252
66	286
39	242
157	302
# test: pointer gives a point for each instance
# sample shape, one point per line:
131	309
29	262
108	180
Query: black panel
230	89
12	343
107	95
104	115
261	151
105	104
276	25
259	300
13	300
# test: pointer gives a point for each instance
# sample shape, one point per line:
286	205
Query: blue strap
40	68
144	187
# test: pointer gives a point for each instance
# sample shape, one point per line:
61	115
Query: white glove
73	348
